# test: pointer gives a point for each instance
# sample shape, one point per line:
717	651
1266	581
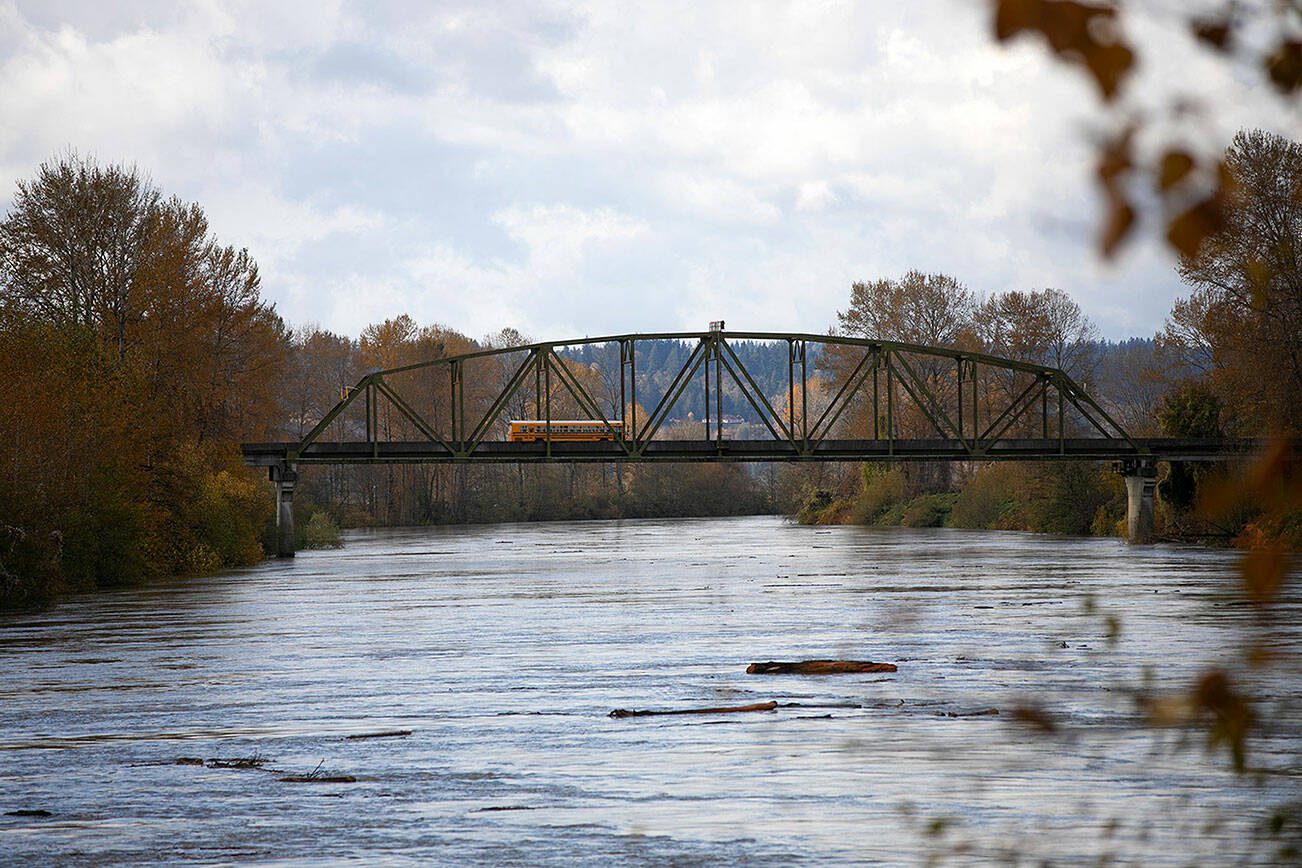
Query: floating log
395	733
189	761
29	812
817	667
759	706
318	779
243	762
980	713
820	705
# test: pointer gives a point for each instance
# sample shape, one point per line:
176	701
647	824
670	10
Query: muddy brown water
503	648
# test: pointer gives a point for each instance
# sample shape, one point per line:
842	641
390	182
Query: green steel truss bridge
888	401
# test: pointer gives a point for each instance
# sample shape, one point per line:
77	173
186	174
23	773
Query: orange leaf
1109	64
1120	220
1037	718
1014	16
1285	66
1175	166
1263	572
1114	160
1231	713
1079	33
1271	466
1215	33
1188	230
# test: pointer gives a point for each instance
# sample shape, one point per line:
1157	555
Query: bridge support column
284	476
1141	481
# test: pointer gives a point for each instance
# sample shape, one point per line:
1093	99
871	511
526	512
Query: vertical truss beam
755	395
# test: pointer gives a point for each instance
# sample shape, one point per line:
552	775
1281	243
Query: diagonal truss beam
846	394
1009	410
406	410
673	393
581	395
756	397
508	392
922	395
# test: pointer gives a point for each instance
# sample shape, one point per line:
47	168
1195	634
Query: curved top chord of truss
945	401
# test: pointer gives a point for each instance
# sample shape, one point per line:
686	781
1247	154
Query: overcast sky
582	168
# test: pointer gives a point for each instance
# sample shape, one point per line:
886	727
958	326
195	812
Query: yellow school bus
531	430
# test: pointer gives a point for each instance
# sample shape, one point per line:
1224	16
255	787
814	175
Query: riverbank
1074	498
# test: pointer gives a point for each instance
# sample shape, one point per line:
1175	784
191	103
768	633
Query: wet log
29	812
394	733
817	667
980	713
318	779
758	706
242	762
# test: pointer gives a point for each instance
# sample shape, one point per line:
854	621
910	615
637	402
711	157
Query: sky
572	168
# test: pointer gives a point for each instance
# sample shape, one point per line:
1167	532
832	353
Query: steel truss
939	388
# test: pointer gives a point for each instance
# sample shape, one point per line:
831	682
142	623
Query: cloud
814	196
557	237
582	167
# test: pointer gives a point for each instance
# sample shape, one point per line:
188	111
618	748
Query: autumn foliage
137	351
1191	188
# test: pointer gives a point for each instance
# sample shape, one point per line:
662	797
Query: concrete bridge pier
284	476
1141	481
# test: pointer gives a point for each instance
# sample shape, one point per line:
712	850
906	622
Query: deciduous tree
1241	325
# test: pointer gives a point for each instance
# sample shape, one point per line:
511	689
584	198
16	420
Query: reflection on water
503	648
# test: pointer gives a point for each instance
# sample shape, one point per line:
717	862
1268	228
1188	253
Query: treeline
137	350
1227	363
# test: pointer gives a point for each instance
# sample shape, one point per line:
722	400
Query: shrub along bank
1042	497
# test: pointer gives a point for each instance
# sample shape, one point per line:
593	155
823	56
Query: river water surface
503	649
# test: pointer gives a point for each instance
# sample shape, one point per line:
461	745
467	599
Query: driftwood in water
243	762
759	706
395	733
818	667
29	812
318	779
980	713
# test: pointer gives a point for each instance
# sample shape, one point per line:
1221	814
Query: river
503	648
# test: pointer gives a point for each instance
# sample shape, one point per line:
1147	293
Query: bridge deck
416	452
